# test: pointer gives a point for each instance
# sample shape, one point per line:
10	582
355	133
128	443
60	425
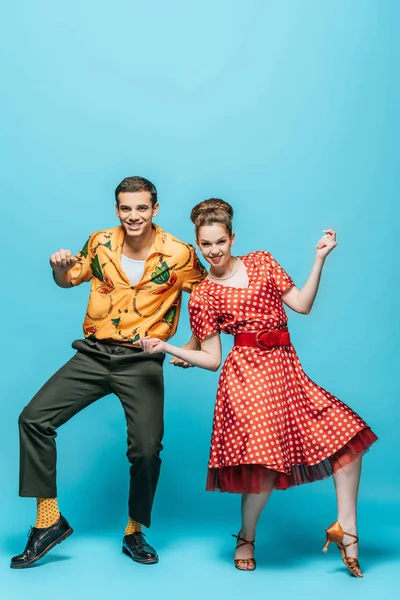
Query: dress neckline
231	287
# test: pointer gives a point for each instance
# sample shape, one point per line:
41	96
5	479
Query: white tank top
134	269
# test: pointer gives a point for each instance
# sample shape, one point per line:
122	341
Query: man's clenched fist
62	261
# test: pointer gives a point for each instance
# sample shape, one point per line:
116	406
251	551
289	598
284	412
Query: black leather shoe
135	546
40	541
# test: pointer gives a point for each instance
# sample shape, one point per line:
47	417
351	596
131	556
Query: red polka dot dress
268	413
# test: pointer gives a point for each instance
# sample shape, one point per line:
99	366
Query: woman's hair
212	211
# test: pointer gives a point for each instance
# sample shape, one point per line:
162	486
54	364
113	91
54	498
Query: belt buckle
260	344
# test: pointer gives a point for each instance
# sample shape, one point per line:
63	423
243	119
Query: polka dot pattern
47	512
268	411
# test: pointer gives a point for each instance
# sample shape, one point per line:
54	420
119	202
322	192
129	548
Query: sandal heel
328	541
335	534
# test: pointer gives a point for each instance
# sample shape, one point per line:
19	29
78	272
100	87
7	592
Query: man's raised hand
62	261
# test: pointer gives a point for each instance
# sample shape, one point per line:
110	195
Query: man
137	273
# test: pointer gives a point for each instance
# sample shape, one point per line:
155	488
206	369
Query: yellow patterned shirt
120	311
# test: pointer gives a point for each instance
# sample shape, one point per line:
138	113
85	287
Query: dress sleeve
281	279
194	272
82	271
203	319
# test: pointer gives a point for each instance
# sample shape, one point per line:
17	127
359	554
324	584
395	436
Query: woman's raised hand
152	345
327	243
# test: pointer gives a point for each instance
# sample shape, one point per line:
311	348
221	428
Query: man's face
136	211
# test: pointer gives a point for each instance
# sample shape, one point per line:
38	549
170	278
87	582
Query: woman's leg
252	507
347	482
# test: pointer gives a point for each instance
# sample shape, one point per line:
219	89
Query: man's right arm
62	262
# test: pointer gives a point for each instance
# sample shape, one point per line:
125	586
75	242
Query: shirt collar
160	245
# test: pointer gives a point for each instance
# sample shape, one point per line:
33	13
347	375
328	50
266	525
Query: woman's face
215	244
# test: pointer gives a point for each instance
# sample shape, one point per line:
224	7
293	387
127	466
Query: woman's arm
192	344
301	301
209	357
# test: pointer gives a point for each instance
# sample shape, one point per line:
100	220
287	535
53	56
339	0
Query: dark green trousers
96	370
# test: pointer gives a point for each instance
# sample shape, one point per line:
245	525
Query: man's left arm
194	274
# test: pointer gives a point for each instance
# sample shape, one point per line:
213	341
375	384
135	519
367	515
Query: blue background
288	110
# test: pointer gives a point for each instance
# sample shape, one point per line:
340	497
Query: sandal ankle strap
244	542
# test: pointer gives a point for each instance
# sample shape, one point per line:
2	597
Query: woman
273	427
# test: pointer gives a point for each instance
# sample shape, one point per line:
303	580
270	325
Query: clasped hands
152	345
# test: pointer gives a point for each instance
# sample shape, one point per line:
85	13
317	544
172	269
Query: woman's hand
327	243
152	345
208	357
302	300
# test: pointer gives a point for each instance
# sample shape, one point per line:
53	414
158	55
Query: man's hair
136	184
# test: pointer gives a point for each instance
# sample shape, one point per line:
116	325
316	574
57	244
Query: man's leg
137	379
80	382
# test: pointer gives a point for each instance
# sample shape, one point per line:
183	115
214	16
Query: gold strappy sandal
244	564
335	534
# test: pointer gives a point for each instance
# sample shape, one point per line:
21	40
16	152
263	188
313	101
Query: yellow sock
133	527
47	512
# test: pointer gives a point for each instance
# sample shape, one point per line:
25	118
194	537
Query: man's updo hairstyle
212	211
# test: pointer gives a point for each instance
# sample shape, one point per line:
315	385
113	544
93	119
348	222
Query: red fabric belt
263	339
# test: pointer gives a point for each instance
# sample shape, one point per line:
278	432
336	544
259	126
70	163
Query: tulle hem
254	479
